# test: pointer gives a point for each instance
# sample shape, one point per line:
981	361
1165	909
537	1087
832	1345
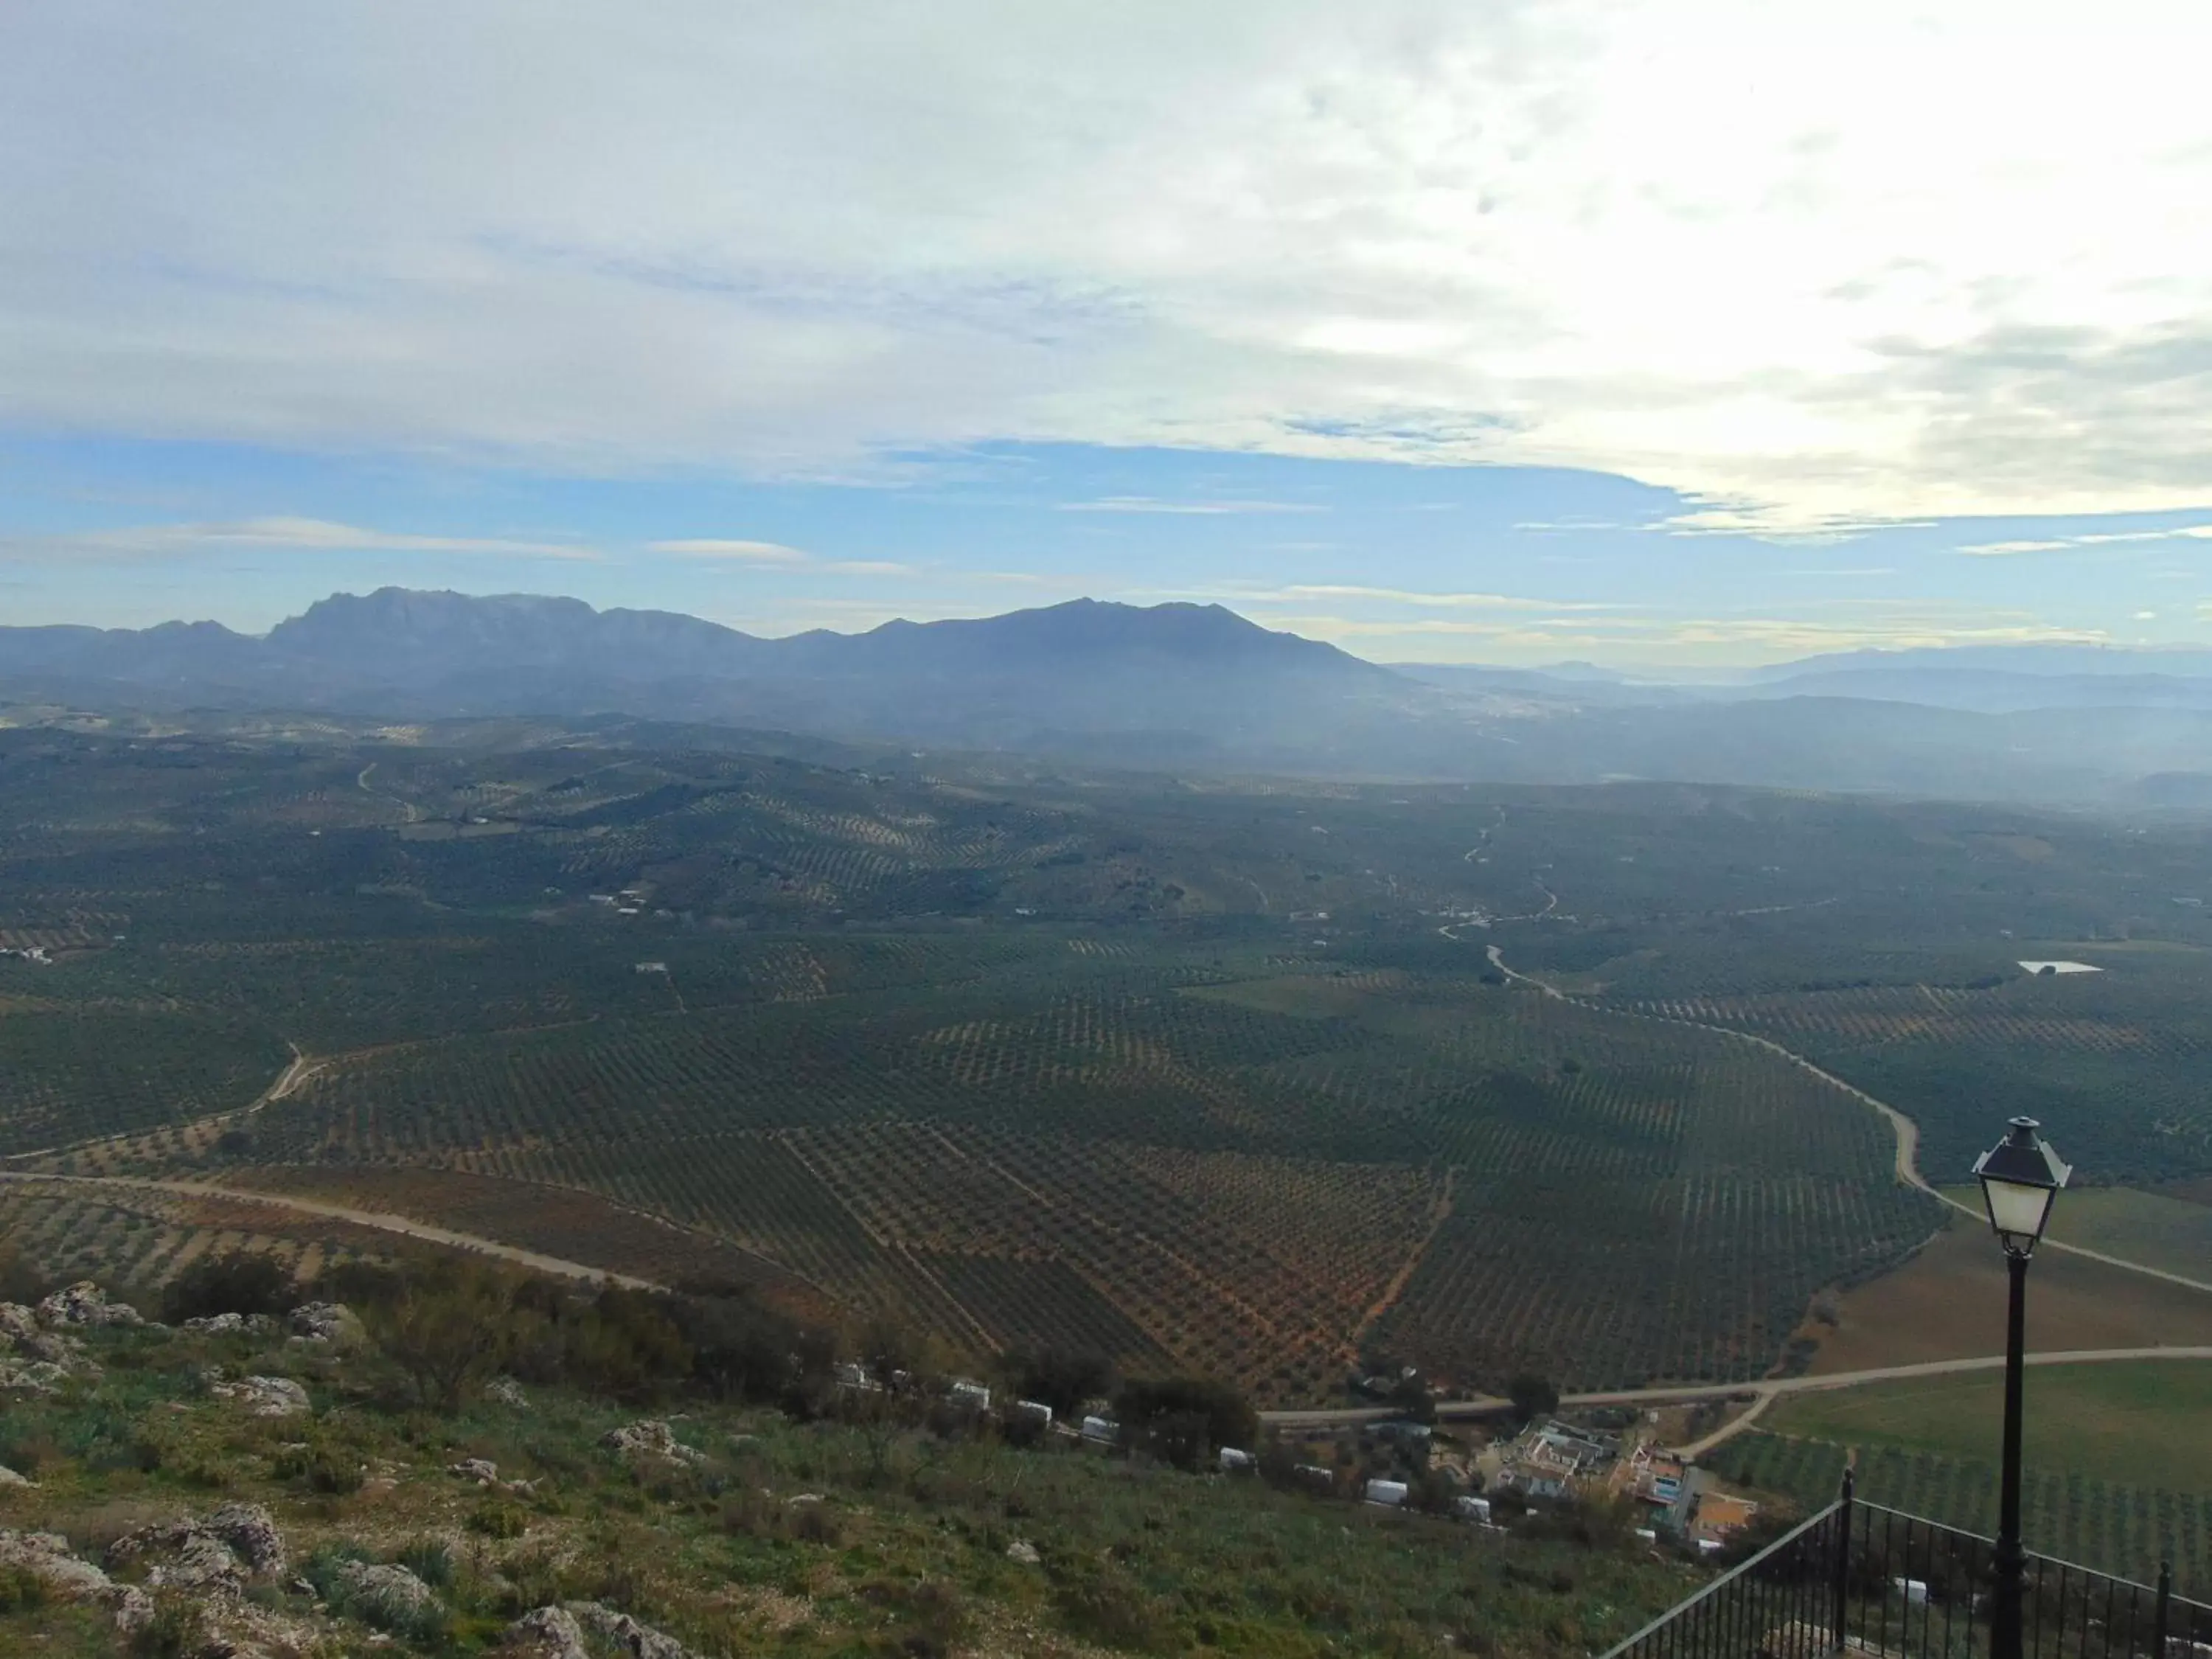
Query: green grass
906	1530
2137	1424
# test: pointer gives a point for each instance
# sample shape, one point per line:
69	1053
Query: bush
21	1590
1101	1602
234	1283
498	1519
1185	1419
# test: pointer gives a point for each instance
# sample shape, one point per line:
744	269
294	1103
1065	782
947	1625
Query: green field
2137	1424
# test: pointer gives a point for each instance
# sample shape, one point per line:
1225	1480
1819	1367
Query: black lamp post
2020	1177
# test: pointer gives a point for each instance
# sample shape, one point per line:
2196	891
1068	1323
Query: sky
1677	335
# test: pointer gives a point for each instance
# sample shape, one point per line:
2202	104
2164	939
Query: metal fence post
1843	1567
2160	1609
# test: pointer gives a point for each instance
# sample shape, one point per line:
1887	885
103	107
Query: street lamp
2021	1176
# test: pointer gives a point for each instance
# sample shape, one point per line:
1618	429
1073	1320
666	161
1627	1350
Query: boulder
85	1304
325	1321
547	1634
650	1438
222	1324
625	1635
45	1556
265	1396
1024	1552
386	1594
219	1552
9	1478
42	1377
482	1470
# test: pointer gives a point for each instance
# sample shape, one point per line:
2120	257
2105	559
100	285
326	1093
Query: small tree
234	1283
1532	1396
449	1329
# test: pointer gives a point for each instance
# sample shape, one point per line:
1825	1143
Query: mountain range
1188	687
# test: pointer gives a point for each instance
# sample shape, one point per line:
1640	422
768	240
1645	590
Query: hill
459	1462
1185	687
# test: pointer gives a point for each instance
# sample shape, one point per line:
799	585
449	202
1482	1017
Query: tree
1185	1419
234	1283
1532	1396
450	1327
1062	1378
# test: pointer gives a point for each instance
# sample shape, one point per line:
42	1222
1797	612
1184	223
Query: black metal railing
1862	1579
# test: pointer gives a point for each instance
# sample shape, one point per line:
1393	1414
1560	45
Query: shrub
498	1519
21	1590
236	1282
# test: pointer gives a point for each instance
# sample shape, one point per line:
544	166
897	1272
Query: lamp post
2021	1176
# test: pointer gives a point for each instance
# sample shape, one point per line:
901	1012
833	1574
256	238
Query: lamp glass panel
2018	1209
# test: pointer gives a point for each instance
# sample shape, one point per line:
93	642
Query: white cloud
2099	539
1939	262
712	548
286	535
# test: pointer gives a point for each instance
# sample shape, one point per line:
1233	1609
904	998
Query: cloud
1589	234
1196	509
1402	596
270	534
750	552
2104	538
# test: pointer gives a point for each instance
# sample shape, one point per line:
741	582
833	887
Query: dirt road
382	1221
1907	1133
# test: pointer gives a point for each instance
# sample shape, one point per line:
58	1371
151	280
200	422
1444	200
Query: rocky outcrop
265	1396
326	1322
625	1635
546	1633
221	1551
385	1596
46	1557
84	1304
651	1437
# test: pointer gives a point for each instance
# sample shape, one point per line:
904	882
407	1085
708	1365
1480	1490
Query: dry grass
1948	1302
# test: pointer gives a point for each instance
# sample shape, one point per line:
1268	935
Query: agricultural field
2114	1064
1948	1302
2090	1517
1202	1075
137	1240
2139	1423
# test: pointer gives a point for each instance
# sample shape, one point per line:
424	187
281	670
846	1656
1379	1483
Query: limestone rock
1024	1552
386	1594
265	1396
625	1635
9	1478
218	1551
84	1303
651	1437
482	1470
45	1556
548	1633
325	1321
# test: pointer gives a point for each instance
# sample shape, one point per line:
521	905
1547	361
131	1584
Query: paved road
1766	1389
